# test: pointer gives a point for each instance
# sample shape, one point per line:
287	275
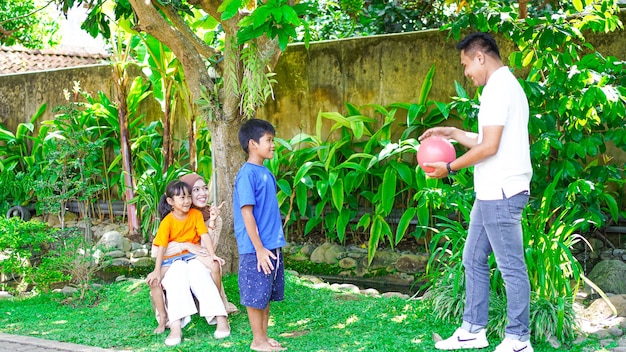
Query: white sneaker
511	345
463	339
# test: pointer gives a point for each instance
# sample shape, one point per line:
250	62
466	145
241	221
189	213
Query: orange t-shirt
189	230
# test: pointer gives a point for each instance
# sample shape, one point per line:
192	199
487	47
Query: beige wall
22	94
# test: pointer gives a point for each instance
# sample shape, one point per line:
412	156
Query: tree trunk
167	129
121	81
229	157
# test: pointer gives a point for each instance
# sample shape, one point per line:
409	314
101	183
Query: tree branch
26	15
204	49
152	22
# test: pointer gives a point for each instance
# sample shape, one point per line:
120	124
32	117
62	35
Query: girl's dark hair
174	188
479	41
254	129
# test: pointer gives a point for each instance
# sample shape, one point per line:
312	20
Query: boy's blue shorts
184	257
256	288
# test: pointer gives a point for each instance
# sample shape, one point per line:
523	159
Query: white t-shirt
503	103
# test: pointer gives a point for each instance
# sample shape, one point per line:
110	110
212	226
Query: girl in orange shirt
185	225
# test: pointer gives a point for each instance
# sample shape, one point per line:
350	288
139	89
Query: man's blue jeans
495	225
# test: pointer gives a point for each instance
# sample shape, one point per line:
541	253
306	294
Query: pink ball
435	149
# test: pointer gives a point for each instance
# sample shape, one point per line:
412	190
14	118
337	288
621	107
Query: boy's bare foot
266	347
273	342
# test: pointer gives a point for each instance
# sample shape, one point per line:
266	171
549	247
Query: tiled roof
20	60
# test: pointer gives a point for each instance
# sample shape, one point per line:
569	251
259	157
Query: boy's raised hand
264	260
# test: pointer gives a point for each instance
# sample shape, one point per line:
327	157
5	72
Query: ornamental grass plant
119	316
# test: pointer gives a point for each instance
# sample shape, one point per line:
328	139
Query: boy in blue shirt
259	232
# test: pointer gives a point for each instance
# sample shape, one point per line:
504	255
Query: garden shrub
23	249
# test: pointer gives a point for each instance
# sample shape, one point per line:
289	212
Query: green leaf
229	8
426	86
611	203
336	191
388	190
404	223
342	223
578	5
302	198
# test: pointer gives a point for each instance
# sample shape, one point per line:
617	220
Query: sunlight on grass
300	322
351	320
59	322
399	318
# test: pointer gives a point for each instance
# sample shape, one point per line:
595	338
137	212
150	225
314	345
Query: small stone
5	295
115	254
411	263
318	255
333	253
372	292
143	262
580	339
616	331
602	334
292	272
139	253
124	262
69	290
321	285
312	279
350	288
395	295
554	342
307	249
347	263
111	240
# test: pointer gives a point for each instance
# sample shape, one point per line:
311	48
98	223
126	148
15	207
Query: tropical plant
22	247
357	180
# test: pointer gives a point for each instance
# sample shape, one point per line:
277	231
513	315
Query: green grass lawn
309	319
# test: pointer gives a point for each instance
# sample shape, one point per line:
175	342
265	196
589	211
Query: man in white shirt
500	155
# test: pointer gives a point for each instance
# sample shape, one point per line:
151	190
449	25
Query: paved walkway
16	343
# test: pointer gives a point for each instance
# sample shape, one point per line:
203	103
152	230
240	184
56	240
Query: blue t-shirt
255	185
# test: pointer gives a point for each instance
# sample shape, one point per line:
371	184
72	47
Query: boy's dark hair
174	188
254	129
479	41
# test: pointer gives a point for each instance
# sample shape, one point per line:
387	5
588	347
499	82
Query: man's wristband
450	171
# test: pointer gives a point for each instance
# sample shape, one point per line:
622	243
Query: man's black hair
254	129
479	41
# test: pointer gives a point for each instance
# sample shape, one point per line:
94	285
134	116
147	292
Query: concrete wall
22	94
